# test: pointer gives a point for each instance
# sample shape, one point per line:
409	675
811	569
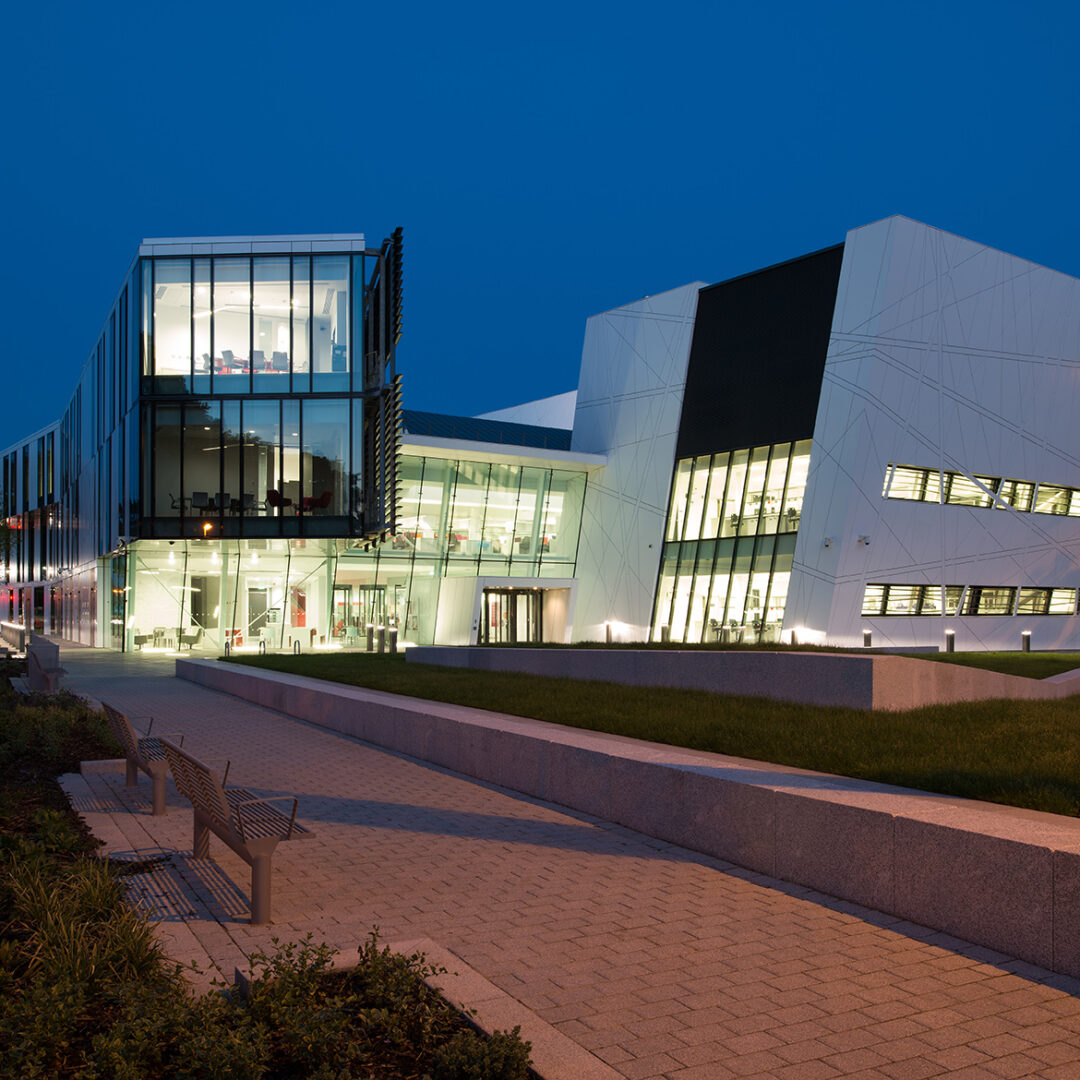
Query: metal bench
250	825
142	752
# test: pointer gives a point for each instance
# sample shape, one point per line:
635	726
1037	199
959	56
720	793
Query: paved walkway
662	962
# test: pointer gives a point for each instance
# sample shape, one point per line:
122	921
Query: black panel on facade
489	431
758	356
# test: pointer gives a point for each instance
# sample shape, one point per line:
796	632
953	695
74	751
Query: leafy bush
86	992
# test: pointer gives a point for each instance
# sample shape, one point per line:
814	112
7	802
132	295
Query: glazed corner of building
866	443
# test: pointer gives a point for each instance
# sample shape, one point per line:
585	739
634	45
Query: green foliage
85	991
1029	665
1024	753
466	1057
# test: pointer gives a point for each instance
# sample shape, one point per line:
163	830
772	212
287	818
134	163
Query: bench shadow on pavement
171	886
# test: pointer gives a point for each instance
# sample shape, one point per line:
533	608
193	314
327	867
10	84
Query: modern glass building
230	470
874	438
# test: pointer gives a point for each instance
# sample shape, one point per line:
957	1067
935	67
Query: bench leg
200	845
260	890
132	773
159	794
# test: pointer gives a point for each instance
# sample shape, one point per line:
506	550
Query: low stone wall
1004	878
858	681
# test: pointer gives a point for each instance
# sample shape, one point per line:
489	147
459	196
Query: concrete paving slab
652	959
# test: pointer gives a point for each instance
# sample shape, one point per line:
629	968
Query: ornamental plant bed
86	992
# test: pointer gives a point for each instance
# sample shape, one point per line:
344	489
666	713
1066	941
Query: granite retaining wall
858	681
1005	878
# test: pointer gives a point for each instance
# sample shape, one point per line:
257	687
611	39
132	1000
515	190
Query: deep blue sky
546	161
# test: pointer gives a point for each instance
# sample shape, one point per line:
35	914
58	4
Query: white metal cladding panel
943	354
633	371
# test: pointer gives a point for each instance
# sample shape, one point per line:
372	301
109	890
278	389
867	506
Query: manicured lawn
1025	753
1032	665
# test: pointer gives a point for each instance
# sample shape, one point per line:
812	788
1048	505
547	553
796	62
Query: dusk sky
546	162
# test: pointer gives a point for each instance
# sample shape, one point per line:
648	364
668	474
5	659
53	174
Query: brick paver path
662	962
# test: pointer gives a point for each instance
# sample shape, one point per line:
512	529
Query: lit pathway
662	962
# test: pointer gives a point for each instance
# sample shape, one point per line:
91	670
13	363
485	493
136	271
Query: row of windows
250	324
957	489
966	600
758	491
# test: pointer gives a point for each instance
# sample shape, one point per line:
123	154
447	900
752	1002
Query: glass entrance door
512	616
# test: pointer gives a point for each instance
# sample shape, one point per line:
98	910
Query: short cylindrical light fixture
950	641
370	637
867	638
607	632
1025	640
665	634
393	639
382	639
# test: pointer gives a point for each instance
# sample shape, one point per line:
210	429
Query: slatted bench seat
143	752
252	826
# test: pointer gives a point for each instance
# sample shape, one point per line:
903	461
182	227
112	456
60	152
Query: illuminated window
961	491
1016	493
984	600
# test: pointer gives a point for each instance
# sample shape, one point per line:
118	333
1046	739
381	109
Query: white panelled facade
629	403
962	362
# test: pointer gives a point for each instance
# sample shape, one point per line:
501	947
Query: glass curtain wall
265	324
252	467
458	518
729	544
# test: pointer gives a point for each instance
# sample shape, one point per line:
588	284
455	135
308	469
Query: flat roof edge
468	448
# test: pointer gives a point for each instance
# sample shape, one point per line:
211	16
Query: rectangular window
172	318
1051	499
330	322
961	491
1062	602
272	314
301	324
232	321
1046	602
918	485
903	600
985	600
698	486
1018	494
200	324
679	491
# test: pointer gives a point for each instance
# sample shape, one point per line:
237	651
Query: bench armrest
149	726
273	798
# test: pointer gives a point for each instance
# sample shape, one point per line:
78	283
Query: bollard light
950	641
370	637
867	638
1025	640
607	632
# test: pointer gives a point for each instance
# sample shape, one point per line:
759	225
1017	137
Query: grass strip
1021	753
1030	665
